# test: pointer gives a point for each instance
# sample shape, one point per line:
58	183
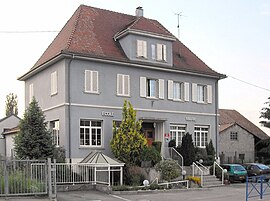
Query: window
31	92
201	136
54	83
153	49
123	85
161	52
90	133
141	48
201	93
177	131
151	88
54	126
91	81
233	136
178	91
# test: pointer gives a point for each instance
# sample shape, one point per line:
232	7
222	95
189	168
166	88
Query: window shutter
54	83
31	92
119	84
161	88
95	81
209	94
170	89
164	53
126	85
143	86
144	49
87	81
139	48
159	52
186	91
194	92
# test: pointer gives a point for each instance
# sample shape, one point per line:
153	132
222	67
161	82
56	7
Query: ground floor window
54	126
177	131
90	132
201	136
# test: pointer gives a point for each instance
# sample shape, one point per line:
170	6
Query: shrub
187	149
150	154
196	180
136	175
169	169
157	145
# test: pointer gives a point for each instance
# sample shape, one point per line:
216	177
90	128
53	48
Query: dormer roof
93	33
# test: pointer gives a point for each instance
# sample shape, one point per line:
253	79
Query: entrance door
149	132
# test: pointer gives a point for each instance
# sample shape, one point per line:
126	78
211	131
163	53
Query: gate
27	177
257	187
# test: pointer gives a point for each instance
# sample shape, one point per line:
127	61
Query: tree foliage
11	104
34	140
187	149
265	114
128	141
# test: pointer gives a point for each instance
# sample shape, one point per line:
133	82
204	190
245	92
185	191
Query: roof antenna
178	24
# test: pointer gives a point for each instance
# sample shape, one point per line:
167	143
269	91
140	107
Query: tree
11	104
187	149
34	140
265	114
128	141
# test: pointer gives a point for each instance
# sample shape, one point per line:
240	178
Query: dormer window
161	52
141	48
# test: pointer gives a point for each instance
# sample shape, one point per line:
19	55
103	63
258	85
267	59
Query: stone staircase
211	181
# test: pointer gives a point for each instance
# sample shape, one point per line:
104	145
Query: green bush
157	145
150	154
169	169
172	143
136	175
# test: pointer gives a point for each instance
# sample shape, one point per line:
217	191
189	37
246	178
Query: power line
254	85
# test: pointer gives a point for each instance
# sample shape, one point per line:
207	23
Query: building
99	59
6	138
238	137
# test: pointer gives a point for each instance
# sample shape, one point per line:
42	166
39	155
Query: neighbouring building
99	59
238	137
6	141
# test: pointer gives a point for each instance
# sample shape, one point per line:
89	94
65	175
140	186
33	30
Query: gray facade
231	148
82	90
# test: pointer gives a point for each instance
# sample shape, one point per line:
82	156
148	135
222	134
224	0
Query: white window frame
141	48
123	85
55	132
184	91
202	93
144	88
91	82
90	128
177	131
201	135
153	51
54	85
31	92
152	88
161	52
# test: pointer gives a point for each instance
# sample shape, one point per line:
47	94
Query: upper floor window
90	133
233	136
54	83
161	52
151	88
178	91
153	50
201	93
177	131
91	81
201	136
31	92
123	85
54	126
141	48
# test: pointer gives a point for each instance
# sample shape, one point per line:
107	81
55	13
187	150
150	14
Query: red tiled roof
230	117
90	32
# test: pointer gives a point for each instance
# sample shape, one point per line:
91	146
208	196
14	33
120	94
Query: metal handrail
200	170
200	164
182	159
222	171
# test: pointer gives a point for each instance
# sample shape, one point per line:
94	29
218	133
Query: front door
149	132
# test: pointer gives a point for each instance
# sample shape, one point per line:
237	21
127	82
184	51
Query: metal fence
23	177
78	173
257	187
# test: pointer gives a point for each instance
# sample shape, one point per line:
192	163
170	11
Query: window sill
91	147
151	98
120	95
89	92
54	94
178	100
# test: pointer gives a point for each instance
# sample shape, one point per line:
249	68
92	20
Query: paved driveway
234	192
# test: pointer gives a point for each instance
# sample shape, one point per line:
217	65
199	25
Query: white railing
198	172
204	168
222	171
175	155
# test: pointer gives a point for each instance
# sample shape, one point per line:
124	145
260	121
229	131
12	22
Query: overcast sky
232	37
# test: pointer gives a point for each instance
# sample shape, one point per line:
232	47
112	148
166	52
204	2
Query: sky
232	37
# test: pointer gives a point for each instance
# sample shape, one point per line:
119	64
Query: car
236	172
258	169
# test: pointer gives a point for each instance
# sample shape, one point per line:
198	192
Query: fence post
261	187
49	177
5	178
246	188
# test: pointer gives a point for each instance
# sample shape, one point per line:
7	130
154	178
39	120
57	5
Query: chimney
139	11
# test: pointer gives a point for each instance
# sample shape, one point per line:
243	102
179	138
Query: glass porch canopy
105	169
